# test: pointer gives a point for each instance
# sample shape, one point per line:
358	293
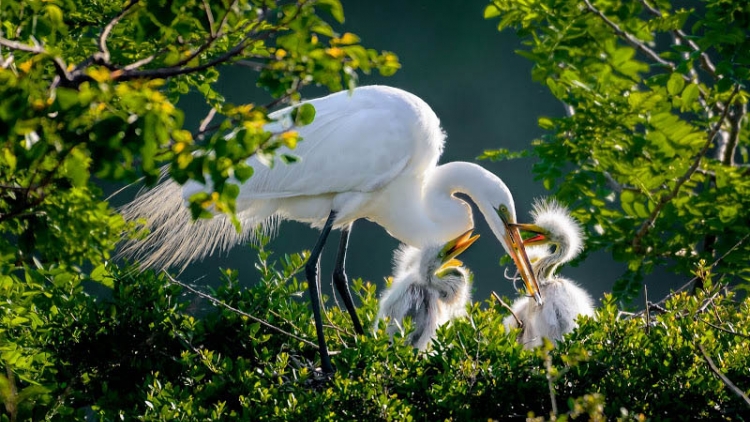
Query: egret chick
430	286
559	239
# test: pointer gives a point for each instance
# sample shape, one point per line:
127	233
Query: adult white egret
430	286
371	153
564	300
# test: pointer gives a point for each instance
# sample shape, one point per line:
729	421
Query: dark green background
483	93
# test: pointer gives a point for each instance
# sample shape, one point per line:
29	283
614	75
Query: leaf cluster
140	352
653	152
91	89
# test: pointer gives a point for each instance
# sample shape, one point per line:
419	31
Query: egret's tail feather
174	239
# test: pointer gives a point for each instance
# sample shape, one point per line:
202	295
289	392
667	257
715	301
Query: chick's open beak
541	234
521	259
454	248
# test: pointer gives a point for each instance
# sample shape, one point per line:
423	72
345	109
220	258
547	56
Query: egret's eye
503	212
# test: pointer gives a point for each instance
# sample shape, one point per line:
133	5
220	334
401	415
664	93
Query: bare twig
726	330
15	45
648	312
206	120
103	54
639	45
733	388
735	123
212	37
550	383
250	64
144	61
706	63
630	39
210	17
665	199
689	283
505	305
237	311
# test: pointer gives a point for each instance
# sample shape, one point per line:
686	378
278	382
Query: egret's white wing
357	143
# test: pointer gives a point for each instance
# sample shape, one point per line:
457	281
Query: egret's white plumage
370	153
425	290
564	299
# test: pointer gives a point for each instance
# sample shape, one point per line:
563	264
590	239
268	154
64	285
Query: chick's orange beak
541	234
456	247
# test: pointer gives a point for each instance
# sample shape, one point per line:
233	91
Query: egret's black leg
313	283
342	282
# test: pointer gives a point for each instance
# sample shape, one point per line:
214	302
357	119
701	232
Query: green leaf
333	7
243	172
491	11
304	114
689	96
675	84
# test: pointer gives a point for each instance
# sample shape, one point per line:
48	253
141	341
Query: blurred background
483	93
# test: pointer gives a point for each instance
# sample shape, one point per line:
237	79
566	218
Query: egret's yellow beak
454	248
542	236
518	254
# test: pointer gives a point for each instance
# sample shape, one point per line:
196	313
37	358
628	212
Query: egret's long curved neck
484	188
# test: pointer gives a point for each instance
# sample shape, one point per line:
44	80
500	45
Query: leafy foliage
653	153
92	89
141	354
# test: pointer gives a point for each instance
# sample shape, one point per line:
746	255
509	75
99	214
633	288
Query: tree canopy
652	156
653	153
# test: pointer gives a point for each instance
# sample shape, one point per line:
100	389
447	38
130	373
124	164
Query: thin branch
726	330
665	199
735	120
212	38
648	312
103	54
719	259
639	45
210	17
505	305
706	63
250	64
733	388
176	71
237	311
550	383
15	45
206	120
630	39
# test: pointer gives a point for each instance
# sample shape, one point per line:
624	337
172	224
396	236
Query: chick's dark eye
451	272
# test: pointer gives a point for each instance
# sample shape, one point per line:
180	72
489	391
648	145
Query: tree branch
630	39
212	37
665	199
103	54
733	139
505	305
640	46
706	63
733	388
237	311
713	264
726	330
15	45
